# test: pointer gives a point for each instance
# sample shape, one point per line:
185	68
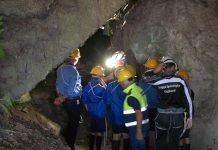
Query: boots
91	142
115	145
98	142
187	147
126	144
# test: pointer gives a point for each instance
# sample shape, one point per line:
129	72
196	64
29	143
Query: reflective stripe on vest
132	111
134	123
129	113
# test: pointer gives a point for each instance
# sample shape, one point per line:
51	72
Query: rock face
40	34
186	30
22	135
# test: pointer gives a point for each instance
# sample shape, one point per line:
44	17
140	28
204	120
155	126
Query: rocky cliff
40	34
186	30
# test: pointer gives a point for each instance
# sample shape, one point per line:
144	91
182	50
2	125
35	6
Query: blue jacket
150	93
115	97
68	81
93	97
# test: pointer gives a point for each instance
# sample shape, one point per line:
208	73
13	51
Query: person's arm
159	68
134	103
139	117
85	97
108	77
189	105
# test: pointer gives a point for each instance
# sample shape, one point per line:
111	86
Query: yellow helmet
151	63
183	73
131	69
75	53
97	70
123	74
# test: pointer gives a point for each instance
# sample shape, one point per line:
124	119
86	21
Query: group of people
154	112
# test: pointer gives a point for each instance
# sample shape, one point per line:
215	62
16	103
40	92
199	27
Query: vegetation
6	105
2	52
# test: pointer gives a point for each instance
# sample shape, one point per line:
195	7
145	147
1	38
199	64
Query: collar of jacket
129	88
168	76
68	63
95	79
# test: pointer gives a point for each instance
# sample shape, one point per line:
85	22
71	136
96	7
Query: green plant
6	104
107	29
2	52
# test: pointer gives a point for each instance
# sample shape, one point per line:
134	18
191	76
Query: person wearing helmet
173	100
151	94
93	98
134	109
115	98
185	139
118	60
183	73
69	89
166	61
153	69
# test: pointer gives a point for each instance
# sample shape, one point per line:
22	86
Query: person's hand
108	77
59	100
188	123
139	135
159	68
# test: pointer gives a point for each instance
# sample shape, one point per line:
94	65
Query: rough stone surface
40	34
20	134
186	30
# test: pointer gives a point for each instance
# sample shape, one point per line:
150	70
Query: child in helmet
150	75
185	139
93	98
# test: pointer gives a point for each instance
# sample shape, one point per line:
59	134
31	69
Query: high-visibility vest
129	113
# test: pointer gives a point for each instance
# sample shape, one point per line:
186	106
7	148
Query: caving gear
114	97
167	59
97	70
135	101
123	74
93	97
118	56
183	73
129	113
131	69
68	81
75	53
151	63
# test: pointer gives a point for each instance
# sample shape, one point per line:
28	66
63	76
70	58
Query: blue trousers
169	128
138	144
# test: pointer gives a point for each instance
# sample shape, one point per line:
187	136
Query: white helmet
167	59
118	56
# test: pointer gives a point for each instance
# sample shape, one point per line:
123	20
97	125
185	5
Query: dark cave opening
93	52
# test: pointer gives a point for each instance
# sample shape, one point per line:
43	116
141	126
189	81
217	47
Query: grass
6	105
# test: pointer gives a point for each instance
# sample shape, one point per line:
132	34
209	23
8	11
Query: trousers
138	144
73	108
169	128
